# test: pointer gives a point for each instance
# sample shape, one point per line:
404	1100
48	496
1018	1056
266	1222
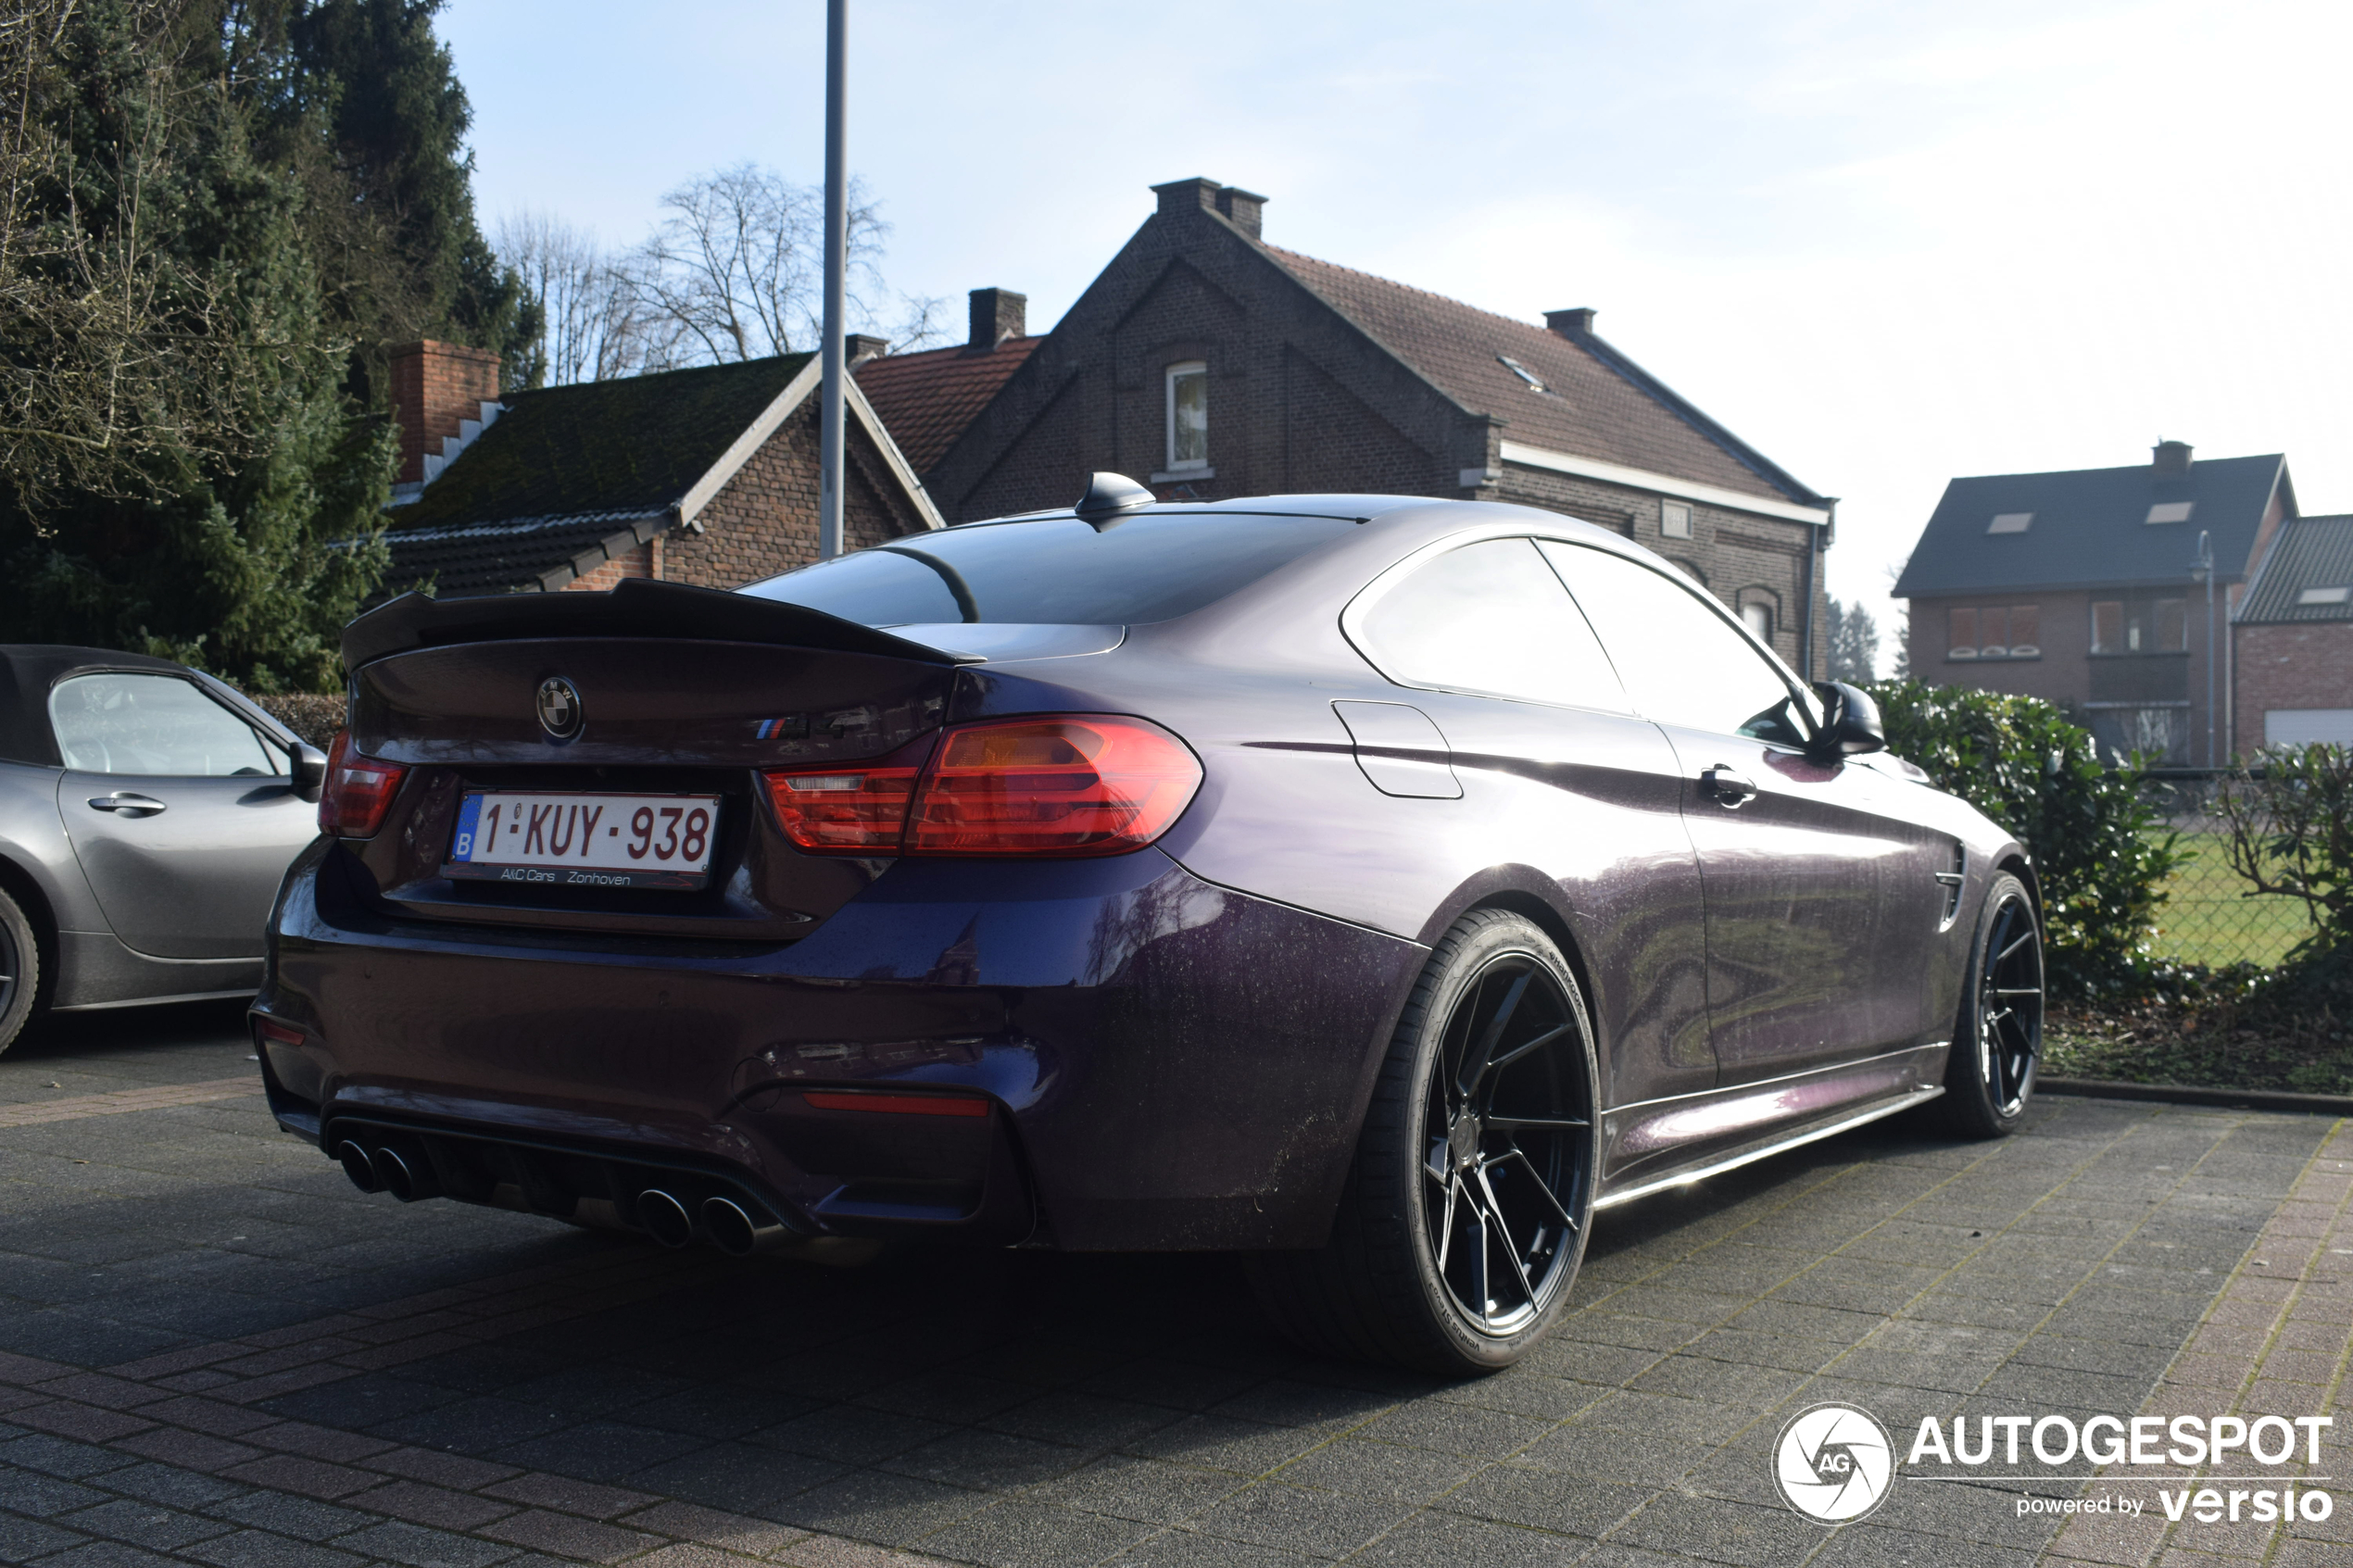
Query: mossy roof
631	445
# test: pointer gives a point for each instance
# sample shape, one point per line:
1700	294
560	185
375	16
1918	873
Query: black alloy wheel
1506	1135
1466	1210
19	970
1998	1044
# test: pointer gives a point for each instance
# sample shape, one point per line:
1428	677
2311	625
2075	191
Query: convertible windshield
1154	567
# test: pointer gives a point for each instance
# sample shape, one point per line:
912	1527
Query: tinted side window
1490	618
1683	663
153	725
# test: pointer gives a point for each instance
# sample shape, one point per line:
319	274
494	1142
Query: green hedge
2100	851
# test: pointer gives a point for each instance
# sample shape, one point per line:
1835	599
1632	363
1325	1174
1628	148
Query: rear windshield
1154	567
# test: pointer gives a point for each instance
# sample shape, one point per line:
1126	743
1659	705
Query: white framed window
1187	416
1758	617
1675	520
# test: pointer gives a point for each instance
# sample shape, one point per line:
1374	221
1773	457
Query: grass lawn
2203	920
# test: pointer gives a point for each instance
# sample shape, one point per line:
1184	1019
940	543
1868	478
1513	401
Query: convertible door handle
129	804
1728	787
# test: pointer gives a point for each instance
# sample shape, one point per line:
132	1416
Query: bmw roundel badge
558	707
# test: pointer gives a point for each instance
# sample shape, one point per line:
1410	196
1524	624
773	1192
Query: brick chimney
436	387
1246	208
1180	196
2171	460
859	348
997	314
1571	323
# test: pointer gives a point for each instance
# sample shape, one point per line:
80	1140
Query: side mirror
1850	721
309	771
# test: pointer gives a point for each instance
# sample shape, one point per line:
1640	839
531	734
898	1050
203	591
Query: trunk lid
679	691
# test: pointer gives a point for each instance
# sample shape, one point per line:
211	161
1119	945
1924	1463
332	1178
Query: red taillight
1051	787
844	811
902	1104
272	1033
357	791
1062	786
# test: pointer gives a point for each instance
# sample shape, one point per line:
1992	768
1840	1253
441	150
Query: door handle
127	803
1728	787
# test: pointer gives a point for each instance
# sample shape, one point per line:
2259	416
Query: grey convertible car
148	814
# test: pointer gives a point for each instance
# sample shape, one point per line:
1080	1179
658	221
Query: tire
20	971
1998	1043
1409	1277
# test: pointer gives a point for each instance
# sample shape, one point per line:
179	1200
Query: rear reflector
1062	786
898	1104
358	792
271	1033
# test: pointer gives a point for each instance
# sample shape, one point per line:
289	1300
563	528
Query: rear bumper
1165	1065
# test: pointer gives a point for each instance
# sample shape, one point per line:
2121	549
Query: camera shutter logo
1833	1463
559	704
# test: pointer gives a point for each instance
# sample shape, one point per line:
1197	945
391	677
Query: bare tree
923	323
587	297
112	348
735	270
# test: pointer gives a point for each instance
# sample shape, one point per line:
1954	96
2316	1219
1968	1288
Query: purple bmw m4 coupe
1371	885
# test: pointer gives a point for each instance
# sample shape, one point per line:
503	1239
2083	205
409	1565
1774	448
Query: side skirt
1766	1150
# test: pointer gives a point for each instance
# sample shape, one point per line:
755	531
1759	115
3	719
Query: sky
1887	244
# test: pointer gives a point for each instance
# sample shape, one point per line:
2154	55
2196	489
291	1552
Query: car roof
29	670
1357	508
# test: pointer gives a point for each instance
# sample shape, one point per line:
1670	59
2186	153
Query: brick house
2081	587
2293	639
1208	364
706	476
927	399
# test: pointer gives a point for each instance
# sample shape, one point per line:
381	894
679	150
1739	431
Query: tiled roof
1597	403
925	400
2090	526
2308	556
497	557
630	446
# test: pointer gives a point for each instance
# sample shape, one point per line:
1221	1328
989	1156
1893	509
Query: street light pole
2203	567
829	399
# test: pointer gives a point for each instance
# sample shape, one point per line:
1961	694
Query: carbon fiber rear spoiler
638	607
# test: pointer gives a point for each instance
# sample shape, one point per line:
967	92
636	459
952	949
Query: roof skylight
2170	511
2010	522
1523	372
2322	597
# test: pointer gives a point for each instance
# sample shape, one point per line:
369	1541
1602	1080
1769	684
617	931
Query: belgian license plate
572	840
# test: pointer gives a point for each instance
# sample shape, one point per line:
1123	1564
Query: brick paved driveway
213	1350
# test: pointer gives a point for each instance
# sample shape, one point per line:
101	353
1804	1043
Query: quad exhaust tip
403	1172
402	1169
357	1166
664	1218
733	1230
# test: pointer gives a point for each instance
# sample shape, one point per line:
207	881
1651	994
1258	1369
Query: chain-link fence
2208	916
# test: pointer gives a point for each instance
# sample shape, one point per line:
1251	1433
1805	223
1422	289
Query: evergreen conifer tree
261	198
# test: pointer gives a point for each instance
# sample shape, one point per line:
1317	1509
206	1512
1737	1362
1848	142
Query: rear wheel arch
1555	924
19	885
31	975
2015	861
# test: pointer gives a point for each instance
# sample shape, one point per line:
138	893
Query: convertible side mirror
309	771
1850	721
